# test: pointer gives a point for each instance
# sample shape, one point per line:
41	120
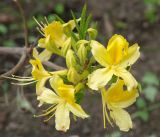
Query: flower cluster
89	66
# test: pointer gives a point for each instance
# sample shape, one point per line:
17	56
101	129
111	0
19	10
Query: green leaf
82	22
113	80
140	103
79	96
150	93
87	24
75	20
59	8
150	79
3	29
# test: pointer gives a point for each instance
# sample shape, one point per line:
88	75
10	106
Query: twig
12	51
52	65
16	67
24	22
18	51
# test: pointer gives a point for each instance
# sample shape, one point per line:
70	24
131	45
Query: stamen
23	84
40	31
49	107
46	20
105	114
22	79
49	117
104	118
37	22
43	24
47	113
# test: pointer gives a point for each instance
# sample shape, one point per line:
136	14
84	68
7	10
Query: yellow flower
116	99
114	59
63	102
56	37
40	75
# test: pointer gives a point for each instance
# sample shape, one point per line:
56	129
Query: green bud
73	76
82	53
92	33
70	59
66	46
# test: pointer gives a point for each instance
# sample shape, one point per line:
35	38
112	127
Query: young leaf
74	18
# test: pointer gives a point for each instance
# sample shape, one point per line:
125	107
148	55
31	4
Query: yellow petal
45	55
38	71
118	97
129	80
54	28
67	93
131	57
99	52
77	110
41	42
122	119
116	49
62	118
48	96
55	83
70	25
39	85
99	78
64	91
51	46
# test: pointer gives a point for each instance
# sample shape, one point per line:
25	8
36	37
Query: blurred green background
137	20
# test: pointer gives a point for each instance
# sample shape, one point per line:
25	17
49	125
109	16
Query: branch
16	67
52	65
19	51
12	51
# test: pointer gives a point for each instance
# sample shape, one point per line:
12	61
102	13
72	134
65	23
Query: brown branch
11	51
19	51
16	67
52	65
